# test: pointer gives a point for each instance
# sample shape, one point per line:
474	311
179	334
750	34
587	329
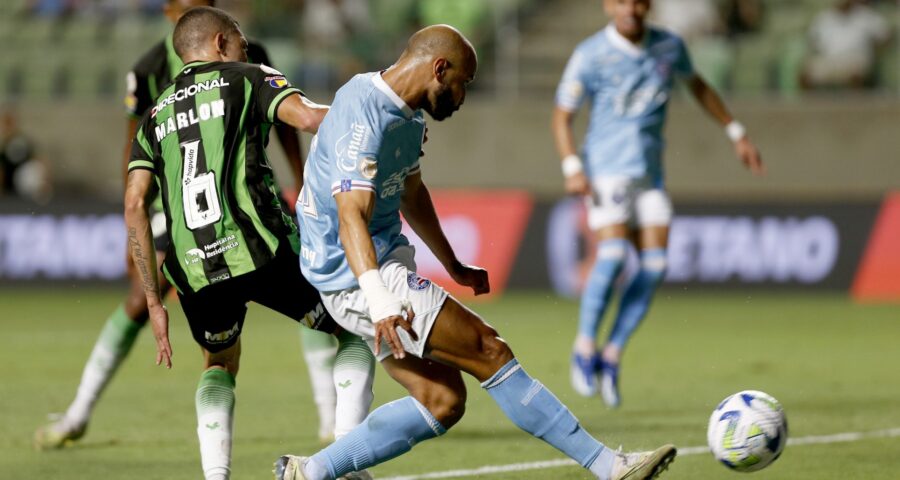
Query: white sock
215	419
111	348
312	470
354	371
602	466
319	350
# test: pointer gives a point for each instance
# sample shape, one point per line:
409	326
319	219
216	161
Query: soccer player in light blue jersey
361	173
626	72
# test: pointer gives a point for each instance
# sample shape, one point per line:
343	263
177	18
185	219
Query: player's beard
443	105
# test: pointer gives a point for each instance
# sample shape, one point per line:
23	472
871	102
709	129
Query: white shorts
634	202
350	311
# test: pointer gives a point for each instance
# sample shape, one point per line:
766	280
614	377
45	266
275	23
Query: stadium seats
48	56
714	59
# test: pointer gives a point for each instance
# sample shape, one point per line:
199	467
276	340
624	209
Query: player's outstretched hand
748	154
159	320
577	184
471	276
386	329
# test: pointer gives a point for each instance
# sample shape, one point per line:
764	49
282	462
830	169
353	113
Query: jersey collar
387	90
623	44
192	65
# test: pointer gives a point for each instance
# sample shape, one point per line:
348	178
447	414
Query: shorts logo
222	337
618	197
277	82
416	282
314	318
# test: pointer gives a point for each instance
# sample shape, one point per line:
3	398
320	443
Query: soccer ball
747	431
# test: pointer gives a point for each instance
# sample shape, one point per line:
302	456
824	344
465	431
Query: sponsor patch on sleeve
346	185
277	81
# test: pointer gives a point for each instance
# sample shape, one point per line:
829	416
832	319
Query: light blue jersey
369	140
629	88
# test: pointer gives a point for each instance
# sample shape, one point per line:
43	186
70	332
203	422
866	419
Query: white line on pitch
682	451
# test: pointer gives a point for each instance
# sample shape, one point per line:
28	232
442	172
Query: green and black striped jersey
155	70
205	142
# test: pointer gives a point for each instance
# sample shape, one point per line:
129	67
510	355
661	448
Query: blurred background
820	97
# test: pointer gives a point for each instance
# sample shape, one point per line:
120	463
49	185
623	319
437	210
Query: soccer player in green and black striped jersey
230	240
152	73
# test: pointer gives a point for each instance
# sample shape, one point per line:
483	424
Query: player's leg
215	315
284	290
319	350
436	402
110	350
353	375
214	401
608	213
654	214
460	338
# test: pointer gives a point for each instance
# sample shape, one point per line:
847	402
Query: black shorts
216	313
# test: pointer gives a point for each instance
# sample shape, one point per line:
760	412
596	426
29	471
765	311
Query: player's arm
139	191
290	143
570	94
418	210
287	136
576	181
130	130
713	104
138	195
301	113
386	309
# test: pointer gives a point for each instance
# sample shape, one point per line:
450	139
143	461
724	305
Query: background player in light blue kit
362	172
626	71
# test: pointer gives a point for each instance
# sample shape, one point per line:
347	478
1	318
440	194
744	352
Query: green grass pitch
832	364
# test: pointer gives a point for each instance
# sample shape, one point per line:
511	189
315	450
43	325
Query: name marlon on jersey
205	111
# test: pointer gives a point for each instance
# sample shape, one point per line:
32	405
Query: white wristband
571	165
382	303
735	130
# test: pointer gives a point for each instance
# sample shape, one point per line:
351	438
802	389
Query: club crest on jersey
368	168
416	282
277	81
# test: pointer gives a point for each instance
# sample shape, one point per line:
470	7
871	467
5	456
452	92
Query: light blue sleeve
572	89
357	151
683	67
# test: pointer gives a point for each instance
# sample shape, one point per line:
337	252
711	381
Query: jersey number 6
201	199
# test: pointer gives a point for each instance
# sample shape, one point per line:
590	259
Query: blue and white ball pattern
747	431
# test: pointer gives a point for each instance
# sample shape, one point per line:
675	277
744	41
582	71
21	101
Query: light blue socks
536	410
638	295
611	256
389	431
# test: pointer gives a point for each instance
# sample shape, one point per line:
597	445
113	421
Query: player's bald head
199	26
439	63
441	41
